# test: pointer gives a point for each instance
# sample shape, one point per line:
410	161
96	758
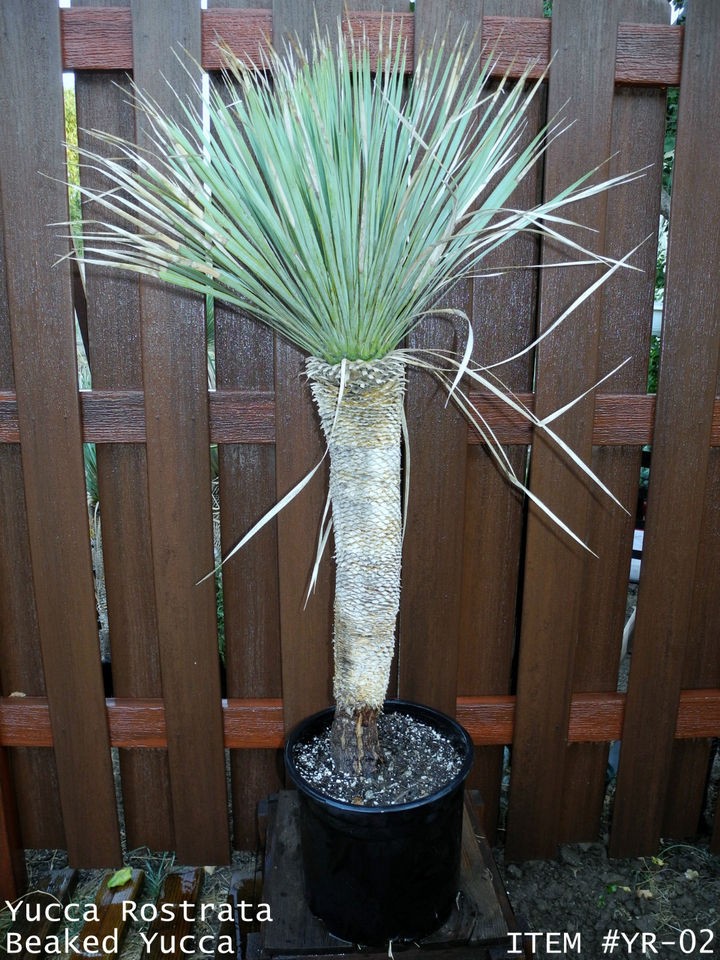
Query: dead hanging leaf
120	878
644	894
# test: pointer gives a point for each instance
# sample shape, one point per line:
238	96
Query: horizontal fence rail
503	622
101	39
259	724
249	417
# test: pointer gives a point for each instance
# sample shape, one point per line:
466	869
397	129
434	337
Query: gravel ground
418	759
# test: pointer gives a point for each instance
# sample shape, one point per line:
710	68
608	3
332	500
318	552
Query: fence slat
687	782
305	630
687	786
637	133
503	316
681	449
554	567
250	579
13	874
178	458
103	103
39	299
432	547
690	762
34	773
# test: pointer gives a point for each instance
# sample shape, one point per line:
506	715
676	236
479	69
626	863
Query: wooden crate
478	927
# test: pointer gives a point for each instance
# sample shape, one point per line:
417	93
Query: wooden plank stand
479	925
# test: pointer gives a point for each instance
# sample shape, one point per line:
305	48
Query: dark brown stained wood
13	874
57	890
98	39
701	668
633	212
690	761
555	567
114	341
248	416
112	415
178	897
623	420
244	358
516	39
432	545
503	317
113	919
33	774
648	54
258	724
174	360
305	629
43	344
247	30
680	480
240	888
243	416
293	923
253	723
297	22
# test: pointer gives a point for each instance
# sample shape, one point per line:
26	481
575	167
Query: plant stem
360	406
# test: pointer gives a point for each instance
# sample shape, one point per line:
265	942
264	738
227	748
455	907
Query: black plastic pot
373	874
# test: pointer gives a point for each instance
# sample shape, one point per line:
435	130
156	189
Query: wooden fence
503	621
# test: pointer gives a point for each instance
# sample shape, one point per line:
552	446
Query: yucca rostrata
337	204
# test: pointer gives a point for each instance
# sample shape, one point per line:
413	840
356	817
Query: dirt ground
662	906
581	904
584	904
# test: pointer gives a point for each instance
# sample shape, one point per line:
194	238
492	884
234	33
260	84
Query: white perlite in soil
418	761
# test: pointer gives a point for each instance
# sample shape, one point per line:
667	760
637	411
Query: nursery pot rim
390	706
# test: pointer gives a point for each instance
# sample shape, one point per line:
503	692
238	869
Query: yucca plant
338	203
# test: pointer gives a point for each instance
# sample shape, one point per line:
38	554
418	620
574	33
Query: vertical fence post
581	84
113	324
21	670
174	354
244	359
13	876
503	316
637	142
43	343
432	547
679	484
305	630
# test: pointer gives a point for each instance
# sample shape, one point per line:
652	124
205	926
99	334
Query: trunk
363	434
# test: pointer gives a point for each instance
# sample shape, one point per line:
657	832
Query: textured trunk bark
363	433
